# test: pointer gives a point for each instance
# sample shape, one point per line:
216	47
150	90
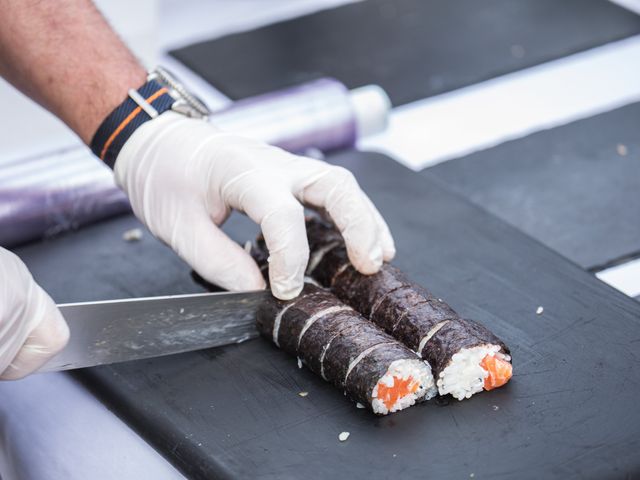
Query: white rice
464	376
417	369
133	235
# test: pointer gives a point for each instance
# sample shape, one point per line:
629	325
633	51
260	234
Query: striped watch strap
140	106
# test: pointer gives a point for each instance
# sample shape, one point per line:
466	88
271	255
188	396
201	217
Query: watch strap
140	106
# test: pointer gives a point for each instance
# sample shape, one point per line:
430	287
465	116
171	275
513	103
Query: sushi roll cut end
472	370
406	382
499	371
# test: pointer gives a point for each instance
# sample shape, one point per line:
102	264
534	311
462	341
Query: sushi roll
469	358
338	344
465	356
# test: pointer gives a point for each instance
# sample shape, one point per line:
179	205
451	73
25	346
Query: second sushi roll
466	357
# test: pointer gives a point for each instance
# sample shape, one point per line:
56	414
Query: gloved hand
32	329
183	176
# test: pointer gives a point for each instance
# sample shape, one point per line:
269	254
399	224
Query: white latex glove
183	176
32	329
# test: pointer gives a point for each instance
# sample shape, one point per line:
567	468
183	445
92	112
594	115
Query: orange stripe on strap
127	121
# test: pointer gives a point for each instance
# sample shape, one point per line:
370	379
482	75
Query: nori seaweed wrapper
332	262
320	233
374	366
420	319
318	336
266	316
487	335
350	343
362	292
260	254
269	309
392	308
296	316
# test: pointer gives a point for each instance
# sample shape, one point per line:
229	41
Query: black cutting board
576	188
412	48
571	409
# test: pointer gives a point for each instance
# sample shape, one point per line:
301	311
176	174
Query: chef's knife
121	330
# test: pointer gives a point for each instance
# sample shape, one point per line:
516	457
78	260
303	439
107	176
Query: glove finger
281	218
338	192
49	336
286	238
388	244
211	253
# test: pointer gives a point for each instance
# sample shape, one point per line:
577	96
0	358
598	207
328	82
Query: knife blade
130	329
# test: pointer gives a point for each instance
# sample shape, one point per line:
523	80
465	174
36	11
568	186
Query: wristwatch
161	92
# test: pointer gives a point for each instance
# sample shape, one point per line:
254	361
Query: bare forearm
65	56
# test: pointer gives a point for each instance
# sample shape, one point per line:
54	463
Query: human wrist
158	93
88	115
